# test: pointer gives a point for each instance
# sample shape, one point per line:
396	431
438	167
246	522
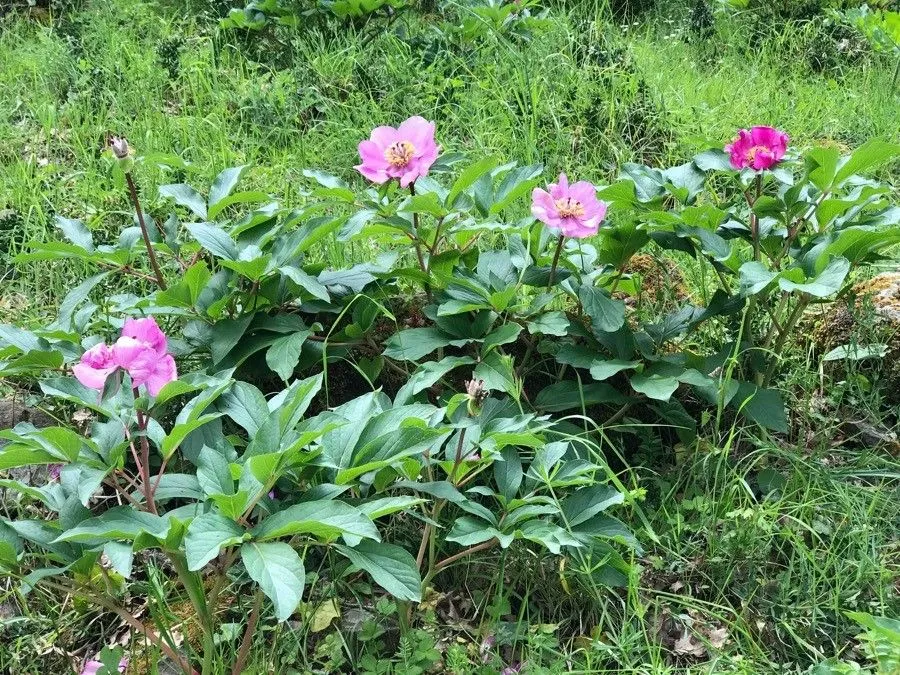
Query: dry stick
160	281
128	618
244	651
483	546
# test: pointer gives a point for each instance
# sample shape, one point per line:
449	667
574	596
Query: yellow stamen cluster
400	153
569	208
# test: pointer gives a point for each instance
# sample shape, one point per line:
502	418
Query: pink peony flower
147	331
95	366
141	351
144	363
759	149
91	667
405	153
573	210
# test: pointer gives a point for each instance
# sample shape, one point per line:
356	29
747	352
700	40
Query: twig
247	640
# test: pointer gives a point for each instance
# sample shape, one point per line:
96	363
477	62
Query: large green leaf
118	523
587	502
607	315
284	354
207	535
867	156
325	519
278	570
186	196
215	240
414	343
392	568
508	472
828	282
223	185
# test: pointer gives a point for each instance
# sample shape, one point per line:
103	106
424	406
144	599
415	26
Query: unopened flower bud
119	146
476	393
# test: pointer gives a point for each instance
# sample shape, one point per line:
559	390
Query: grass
761	546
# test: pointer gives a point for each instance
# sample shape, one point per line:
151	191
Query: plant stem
417	241
144	465
559	247
754	219
483	546
789	324
160	280
194	587
247	640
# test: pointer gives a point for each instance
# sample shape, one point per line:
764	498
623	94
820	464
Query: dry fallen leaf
717	638
687	646
325	613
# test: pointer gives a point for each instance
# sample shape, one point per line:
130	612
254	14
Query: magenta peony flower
405	153
573	210
95	366
759	149
91	667
144	363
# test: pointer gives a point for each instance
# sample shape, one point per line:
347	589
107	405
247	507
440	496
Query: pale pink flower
91	667
141	351
146	330
759	148
96	364
574	210
405	153
144	364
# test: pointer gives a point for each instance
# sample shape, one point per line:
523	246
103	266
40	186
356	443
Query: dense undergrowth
416	430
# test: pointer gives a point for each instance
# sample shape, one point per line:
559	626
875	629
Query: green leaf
120	556
569	394
508	473
308	283
508	332
828	282
467	178
763	406
214	473
207	535
215	240
245	405
284	354
439	489
549	323
497	372
655	386
414	343
755	277
223	185
76	232
378	508
867	156
186	196
279	572
120	522
392	568
584	504
180	431
324	179
856	352
603	370
428	374
607	315
325	519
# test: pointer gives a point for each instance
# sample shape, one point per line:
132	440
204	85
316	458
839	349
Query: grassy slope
775	573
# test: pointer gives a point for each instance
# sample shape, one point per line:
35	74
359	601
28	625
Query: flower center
400	153
569	208
751	153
